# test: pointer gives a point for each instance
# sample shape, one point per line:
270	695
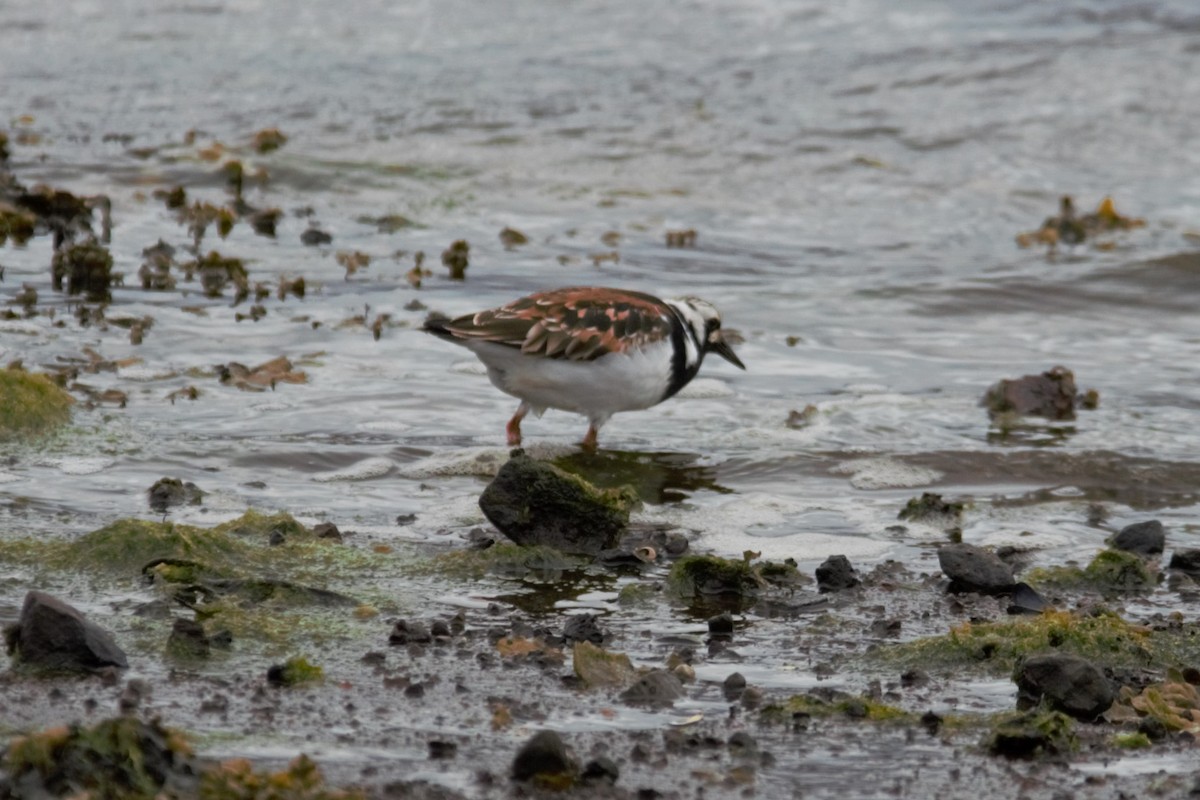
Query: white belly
597	389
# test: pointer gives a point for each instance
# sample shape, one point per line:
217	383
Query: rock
931	509
601	769
534	503
656	688
1141	538
595	666
1050	395
169	492
733	685
314	237
1186	561
544	757
456	258
973	569
836	574
52	635
721	624
1026	600
1025	735
406	632
439	749
583	628
1067	683
327	530
742	745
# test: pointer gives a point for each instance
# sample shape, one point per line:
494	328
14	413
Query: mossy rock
128	546
295	671
698	576
30	405
1031	734
1112	573
595	666
535	503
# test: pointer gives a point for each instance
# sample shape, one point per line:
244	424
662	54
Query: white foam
469	368
144	372
383	426
480	461
8	477
363	470
78	465
706	388
885	473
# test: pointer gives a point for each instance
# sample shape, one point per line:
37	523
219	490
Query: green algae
996	647
848	706
1135	740
295	671
1112	573
504	559
697	576
31	405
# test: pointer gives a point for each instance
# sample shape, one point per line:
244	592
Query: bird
590	350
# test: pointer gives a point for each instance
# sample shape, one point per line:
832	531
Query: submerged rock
1186	560
1141	538
52	635
656	688
168	492
1025	735
1050	395
973	569
1066	683
544	758
835	574
535	503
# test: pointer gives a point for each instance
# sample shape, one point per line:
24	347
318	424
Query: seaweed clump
30	404
237	779
116	759
87	268
1112	573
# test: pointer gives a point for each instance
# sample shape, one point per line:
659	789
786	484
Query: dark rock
675	544
1026	600
931	722
405	632
1141	538
440	630
583	628
886	628
222	639
277	538
169	492
914	678
188	640
51	635
534	503
1050	395
601	769
656	688
543	756
973	569
931	509
327	530
721	624
835	574
742	744
442	750
1154	728
1067	683
315	236
1187	560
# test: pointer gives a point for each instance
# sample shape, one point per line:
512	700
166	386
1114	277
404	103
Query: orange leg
589	441
513	429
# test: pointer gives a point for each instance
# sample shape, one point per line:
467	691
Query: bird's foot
589	442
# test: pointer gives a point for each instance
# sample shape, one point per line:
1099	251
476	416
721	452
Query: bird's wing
578	324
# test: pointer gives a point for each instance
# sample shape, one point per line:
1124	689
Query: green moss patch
1112	573
995	647
30	405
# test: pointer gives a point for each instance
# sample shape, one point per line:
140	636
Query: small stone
405	632
583	628
886	628
442	750
314	237
1141	538
914	678
1187	560
721	624
734	685
327	530
601	769
188	640
836	574
276	538
742	745
1026	600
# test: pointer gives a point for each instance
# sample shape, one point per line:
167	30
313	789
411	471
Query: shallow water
856	174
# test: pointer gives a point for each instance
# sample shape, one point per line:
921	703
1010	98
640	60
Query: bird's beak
722	348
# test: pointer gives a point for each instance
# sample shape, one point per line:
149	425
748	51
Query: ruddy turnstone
590	350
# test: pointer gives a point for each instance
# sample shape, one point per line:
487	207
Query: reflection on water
662	477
